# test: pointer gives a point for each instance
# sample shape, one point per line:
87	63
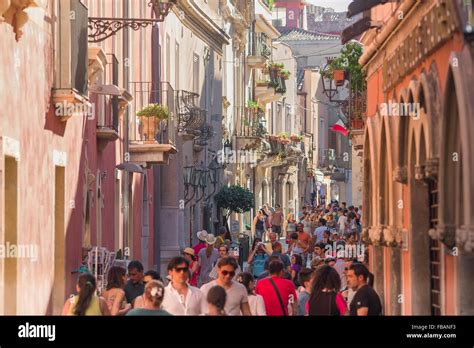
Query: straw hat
202	235
190	251
210	239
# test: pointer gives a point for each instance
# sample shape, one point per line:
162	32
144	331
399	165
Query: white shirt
257	305
174	303
236	296
319	233
342	222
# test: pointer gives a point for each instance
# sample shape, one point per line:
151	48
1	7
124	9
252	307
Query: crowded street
267	158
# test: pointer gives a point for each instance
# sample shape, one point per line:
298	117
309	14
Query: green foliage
252	104
285	74
234	199
349	61
154	110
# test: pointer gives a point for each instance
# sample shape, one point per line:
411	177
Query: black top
323	303
132	291
259	224
366	297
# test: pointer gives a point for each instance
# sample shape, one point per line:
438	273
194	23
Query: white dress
257	305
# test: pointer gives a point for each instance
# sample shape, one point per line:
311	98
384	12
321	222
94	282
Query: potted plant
285	74
150	117
295	137
252	104
339	76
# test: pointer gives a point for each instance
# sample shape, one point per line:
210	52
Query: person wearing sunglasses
237	297
180	297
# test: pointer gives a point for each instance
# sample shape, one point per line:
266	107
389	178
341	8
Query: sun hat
210	239
190	251
202	235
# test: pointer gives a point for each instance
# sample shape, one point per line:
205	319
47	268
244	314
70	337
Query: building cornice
194	18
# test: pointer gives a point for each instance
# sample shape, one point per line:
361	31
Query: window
176	67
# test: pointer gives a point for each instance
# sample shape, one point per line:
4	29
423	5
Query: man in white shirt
180	298
237	295
342	222
319	231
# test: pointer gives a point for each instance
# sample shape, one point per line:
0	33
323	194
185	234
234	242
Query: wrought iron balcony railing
330	162
251	122
156	103
191	117
261	46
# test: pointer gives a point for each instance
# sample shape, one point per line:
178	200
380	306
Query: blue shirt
302	300
259	264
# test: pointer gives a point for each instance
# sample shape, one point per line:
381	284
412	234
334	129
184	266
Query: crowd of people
309	270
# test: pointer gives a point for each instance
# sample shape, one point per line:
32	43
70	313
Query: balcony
191	118
261	50
270	85
152	135
251	128
285	150
108	121
71	66
334	166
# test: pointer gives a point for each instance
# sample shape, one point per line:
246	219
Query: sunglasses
226	273
181	269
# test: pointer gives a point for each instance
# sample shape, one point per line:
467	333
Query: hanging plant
285	74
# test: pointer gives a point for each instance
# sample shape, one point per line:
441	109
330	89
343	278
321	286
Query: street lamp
214	170
330	87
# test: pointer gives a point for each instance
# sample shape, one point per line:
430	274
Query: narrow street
237	157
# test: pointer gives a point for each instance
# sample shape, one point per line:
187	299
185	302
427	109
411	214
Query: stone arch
384	170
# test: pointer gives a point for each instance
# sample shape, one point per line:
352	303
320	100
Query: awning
358	6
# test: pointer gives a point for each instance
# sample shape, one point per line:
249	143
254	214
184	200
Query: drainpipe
126	177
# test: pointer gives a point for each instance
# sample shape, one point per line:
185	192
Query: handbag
279	296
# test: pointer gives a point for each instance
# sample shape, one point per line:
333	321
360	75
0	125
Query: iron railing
191	117
261	46
251	122
329	160
111	109
151	129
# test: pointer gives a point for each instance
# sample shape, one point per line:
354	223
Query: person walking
289	226
277	221
181	298
189	255
220	239
259	224
207	259
257	258
216	299
153	296
134	286
365	301
114	294
277	293
237	298
325	298
256	303
86	303
148	277
305	277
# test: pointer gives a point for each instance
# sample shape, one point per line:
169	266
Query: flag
340	127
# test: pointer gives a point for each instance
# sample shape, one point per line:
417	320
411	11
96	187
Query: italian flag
340	127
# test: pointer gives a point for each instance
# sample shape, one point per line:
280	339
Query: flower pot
150	128
339	76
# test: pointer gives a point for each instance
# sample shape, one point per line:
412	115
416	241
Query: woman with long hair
216	298
86	302
325	298
259	224
153	297
256	303
296	266
114	294
148	277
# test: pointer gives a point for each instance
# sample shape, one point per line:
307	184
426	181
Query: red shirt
197	248
270	297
